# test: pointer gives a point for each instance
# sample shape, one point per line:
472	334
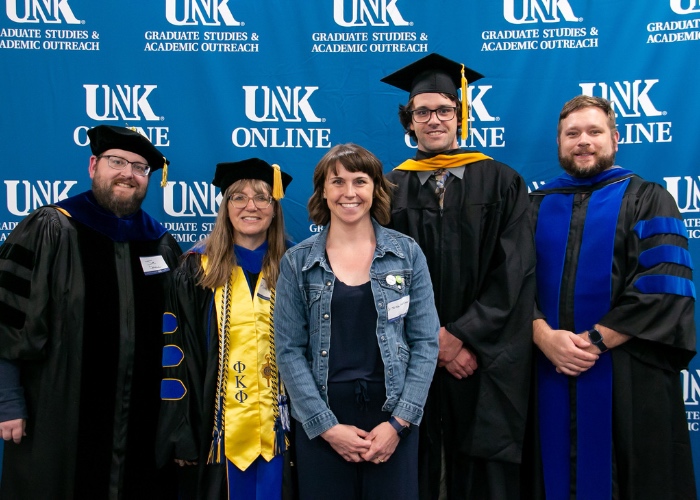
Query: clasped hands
357	445
459	361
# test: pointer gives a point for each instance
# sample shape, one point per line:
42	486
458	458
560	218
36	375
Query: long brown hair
218	246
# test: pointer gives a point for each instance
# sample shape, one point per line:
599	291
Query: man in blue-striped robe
614	325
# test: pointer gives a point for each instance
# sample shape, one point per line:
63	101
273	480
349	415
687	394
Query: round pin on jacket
390	280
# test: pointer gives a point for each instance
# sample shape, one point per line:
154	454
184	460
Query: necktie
440	178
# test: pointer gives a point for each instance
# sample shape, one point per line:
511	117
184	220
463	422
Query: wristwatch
401	430
597	339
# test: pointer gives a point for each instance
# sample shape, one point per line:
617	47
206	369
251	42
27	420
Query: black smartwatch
597	339
401	430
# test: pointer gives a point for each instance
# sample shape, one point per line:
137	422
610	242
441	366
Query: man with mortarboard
468	213
614	326
81	304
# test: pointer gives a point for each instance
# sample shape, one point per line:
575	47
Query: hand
565	349
13	430
348	441
384	440
449	347
463	365
182	463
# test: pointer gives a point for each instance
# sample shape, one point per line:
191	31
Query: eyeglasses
119	163
240	200
444	114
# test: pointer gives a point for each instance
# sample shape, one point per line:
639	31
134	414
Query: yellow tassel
277	191
164	179
465	107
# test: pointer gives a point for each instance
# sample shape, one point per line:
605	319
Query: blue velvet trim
567	181
664	283
594	387
670	254
169	323
660	225
172	356
172	388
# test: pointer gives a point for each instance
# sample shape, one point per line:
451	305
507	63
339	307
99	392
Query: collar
568	181
136	227
250	260
447	159
424	176
386	243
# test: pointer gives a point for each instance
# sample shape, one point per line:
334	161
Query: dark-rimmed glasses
119	163
443	113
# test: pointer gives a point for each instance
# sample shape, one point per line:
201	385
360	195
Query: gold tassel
164	179
465	107
277	191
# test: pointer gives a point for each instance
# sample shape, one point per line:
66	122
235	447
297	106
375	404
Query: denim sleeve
292	343
422	327
12	404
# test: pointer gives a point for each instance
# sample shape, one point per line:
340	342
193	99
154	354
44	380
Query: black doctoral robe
650	439
81	321
481	258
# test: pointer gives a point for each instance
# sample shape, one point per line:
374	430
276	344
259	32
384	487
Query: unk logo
685	191
629	99
349	13
183	200
36	11
24	197
478	108
287	104
685	6
121	102
533	11
691	387
194	12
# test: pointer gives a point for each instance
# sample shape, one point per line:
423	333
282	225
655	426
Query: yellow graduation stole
442	161
246	384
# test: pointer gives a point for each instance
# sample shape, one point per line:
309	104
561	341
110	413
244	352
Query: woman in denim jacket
356	334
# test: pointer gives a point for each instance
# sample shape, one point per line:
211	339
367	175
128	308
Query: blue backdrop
218	80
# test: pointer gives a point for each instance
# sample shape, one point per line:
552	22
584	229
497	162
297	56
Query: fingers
13	430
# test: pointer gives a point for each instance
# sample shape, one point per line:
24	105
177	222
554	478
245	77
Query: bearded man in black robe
614	327
81	301
469	214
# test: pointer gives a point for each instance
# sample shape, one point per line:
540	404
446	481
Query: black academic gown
481	259
651	446
82	322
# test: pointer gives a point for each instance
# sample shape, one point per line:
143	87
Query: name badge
398	308
154	265
263	290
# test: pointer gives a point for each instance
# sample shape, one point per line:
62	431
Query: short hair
353	158
405	114
585	101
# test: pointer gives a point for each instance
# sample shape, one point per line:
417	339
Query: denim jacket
408	343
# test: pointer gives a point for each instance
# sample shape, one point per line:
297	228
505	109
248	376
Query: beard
569	165
121	207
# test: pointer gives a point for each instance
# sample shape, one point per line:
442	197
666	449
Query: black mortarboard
252	168
104	137
435	73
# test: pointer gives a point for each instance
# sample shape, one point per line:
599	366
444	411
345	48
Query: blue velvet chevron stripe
593	387
660	225
172	389
172	356
664	283
670	254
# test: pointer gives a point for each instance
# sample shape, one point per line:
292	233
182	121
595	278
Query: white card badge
154	265
397	308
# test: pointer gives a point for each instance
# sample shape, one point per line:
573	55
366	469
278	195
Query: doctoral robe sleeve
653	270
184	365
508	284
28	277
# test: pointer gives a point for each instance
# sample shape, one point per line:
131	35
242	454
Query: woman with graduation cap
223	405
